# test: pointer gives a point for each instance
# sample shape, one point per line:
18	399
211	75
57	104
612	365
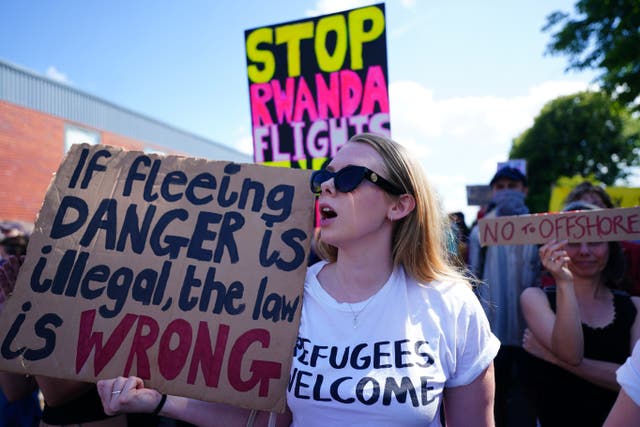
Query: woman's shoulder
314	269
621	296
626	307
635	301
311	279
450	291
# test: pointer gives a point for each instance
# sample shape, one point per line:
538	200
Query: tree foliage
587	134
604	35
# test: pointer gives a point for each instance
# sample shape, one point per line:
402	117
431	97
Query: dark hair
16	245
586	187
613	274
457	218
510	173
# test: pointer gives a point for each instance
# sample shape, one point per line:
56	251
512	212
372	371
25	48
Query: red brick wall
31	149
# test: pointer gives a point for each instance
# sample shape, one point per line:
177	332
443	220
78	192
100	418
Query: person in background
505	271
21	410
626	410
15	244
590	193
596	195
461	233
384	278
579	330
66	402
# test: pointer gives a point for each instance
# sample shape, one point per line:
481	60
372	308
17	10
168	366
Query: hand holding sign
127	395
555	259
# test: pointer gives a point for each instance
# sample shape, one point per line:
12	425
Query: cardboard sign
478	195
578	226
314	83
520	164
185	272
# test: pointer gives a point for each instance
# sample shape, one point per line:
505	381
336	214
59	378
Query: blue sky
465	77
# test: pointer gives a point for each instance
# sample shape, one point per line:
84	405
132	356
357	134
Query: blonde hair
419	241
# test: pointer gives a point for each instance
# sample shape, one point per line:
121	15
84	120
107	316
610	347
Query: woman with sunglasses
390	333
580	330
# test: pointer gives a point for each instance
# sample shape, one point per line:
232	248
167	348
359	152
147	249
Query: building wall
22	87
38	114
32	147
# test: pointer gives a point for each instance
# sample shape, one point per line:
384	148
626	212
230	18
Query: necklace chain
356	315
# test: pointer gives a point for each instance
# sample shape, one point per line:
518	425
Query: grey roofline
107	105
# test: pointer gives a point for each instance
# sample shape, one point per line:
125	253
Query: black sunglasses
349	177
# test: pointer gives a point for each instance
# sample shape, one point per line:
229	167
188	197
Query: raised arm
471	405
122	395
560	332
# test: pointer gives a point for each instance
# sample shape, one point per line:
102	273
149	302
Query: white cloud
420	150
243	140
53	73
324	7
460	140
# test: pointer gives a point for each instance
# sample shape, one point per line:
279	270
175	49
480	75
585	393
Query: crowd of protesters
565	313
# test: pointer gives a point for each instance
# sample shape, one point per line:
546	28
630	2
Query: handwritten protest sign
478	195
314	83
578	226
185	272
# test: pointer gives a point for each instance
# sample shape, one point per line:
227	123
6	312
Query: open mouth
584	264
327	213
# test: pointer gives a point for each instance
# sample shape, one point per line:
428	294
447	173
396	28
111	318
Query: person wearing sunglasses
390	333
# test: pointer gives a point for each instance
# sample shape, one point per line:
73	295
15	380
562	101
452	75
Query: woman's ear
402	207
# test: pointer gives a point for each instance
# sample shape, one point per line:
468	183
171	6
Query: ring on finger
116	392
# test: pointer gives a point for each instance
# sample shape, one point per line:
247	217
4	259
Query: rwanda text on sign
185	272
581	226
314	83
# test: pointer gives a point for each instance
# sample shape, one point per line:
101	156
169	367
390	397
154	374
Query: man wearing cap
505	271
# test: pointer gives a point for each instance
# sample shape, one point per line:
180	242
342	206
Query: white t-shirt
410	342
628	375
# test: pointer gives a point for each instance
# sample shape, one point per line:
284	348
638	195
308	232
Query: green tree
587	134
604	35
